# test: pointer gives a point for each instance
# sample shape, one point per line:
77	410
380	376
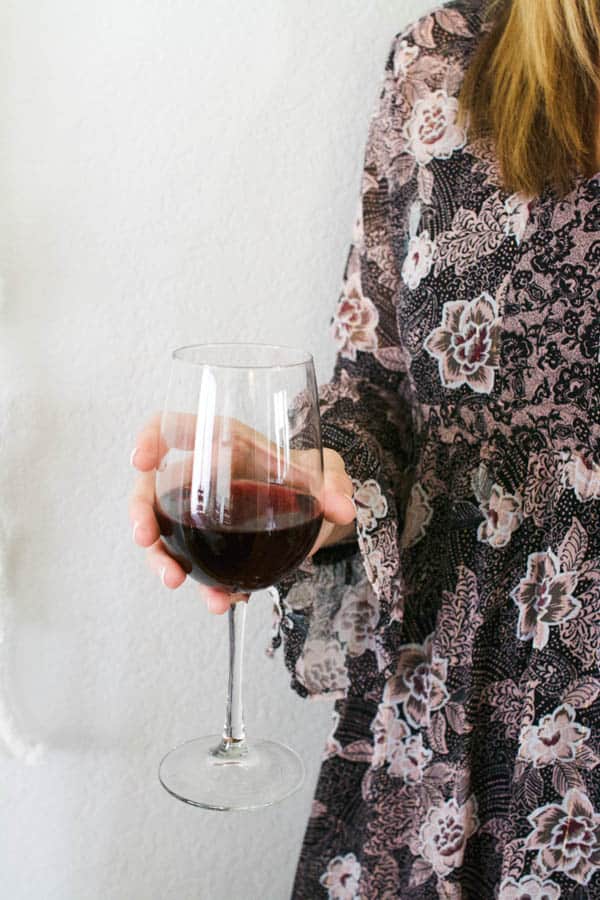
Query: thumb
338	507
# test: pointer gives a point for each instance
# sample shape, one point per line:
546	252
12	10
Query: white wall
171	172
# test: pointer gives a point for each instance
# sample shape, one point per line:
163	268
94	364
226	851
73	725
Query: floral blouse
462	641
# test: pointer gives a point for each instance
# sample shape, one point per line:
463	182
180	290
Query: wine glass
238	503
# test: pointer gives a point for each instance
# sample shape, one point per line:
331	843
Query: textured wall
172	171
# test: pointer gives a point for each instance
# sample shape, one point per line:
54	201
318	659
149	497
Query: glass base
205	772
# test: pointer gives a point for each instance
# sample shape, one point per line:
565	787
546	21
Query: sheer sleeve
334	615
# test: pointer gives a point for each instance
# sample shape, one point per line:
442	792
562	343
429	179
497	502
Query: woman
462	641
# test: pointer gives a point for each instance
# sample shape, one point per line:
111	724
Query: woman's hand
336	498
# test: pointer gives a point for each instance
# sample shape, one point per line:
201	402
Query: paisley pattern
460	635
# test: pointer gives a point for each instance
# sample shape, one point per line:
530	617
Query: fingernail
132	457
136	525
162	572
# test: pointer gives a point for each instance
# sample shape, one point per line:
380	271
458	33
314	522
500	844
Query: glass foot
204	773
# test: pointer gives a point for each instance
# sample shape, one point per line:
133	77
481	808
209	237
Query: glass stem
233	733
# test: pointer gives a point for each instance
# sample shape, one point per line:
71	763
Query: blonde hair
533	87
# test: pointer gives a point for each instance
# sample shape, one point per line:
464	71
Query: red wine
263	532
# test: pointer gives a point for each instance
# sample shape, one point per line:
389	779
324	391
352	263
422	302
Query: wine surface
263	534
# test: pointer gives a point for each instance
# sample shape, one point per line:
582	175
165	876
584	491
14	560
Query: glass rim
305	357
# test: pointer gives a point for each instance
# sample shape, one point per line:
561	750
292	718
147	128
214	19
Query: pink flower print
432	131
374	563
404	57
419	683
386	727
528	888
371	504
502	516
408	759
544	598
517	207
419	259
344	387
357	618
394	744
556	738
445	832
378	558
584	479
355	320
542	487
567	837
467	344
418	516
322	667
342	878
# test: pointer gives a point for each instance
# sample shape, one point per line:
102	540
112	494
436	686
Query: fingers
218	600
152	443
323	538
146	454
339	510
146	533
252	456
338	506
145	530
169	571
332	461
149	450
